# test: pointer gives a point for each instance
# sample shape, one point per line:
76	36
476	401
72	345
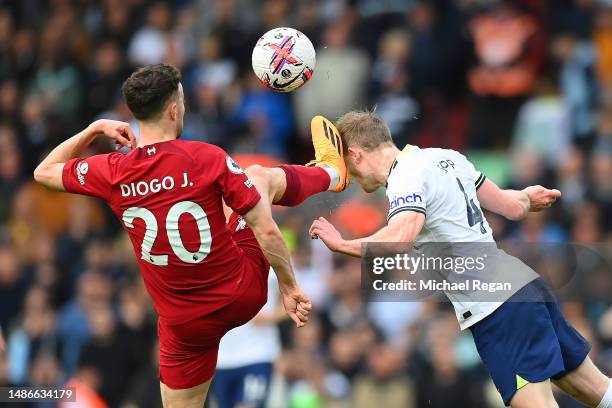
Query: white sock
334	176
606	401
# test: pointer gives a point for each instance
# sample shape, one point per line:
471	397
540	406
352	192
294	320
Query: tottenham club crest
233	166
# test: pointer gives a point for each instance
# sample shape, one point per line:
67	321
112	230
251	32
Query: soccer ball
283	59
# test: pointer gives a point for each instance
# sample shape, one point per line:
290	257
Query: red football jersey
168	196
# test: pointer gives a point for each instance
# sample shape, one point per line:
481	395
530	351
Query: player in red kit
201	227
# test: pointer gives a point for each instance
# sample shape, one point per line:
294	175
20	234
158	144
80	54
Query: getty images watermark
411	264
484	272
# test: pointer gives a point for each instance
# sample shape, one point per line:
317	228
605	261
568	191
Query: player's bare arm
271	241
516	204
49	171
402	228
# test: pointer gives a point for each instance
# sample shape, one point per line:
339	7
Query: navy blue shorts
527	339
248	385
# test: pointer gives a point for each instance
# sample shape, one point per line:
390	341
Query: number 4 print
474	215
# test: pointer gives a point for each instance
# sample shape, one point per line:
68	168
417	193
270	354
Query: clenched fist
541	198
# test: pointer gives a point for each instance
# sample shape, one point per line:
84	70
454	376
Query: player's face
359	164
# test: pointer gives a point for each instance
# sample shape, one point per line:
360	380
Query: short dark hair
148	90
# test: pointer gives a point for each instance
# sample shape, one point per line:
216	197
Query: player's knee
532	396
534	402
256	172
542	403
184	398
270	181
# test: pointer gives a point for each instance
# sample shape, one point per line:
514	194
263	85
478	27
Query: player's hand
116	130
541	198
297	305
2	343
325	231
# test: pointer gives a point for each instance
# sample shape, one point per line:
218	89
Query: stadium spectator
509	58
577	82
385	384
35	336
542	125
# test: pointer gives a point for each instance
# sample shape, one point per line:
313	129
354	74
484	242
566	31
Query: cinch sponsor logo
410	198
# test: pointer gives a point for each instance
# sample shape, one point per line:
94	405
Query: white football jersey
442	185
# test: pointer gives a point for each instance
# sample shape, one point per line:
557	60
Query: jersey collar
405	151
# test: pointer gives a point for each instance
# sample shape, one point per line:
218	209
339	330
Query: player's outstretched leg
289	185
588	385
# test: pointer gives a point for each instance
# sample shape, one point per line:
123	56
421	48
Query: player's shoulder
420	164
101	161
100	167
194	146
438	152
212	156
439	157
410	162
199	152
407	170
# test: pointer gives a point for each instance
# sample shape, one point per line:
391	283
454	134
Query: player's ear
173	110
354	154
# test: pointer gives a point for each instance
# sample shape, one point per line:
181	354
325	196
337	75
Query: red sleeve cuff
248	206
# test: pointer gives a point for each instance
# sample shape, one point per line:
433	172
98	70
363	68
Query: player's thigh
586	383
534	395
193	397
269	181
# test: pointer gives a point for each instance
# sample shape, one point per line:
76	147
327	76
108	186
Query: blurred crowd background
524	88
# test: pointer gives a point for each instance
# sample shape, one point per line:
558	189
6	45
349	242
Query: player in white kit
435	195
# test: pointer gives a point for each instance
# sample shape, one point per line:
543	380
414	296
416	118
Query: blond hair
363	129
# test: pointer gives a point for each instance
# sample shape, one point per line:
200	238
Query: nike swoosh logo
286	84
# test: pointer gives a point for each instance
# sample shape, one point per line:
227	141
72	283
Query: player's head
364	134
154	94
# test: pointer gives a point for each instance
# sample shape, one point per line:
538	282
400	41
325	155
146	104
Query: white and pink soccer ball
283	59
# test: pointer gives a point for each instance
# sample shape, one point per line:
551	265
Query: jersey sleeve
89	176
407	191
478	176
239	193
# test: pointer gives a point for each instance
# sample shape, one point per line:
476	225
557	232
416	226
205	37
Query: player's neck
151	133
387	156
